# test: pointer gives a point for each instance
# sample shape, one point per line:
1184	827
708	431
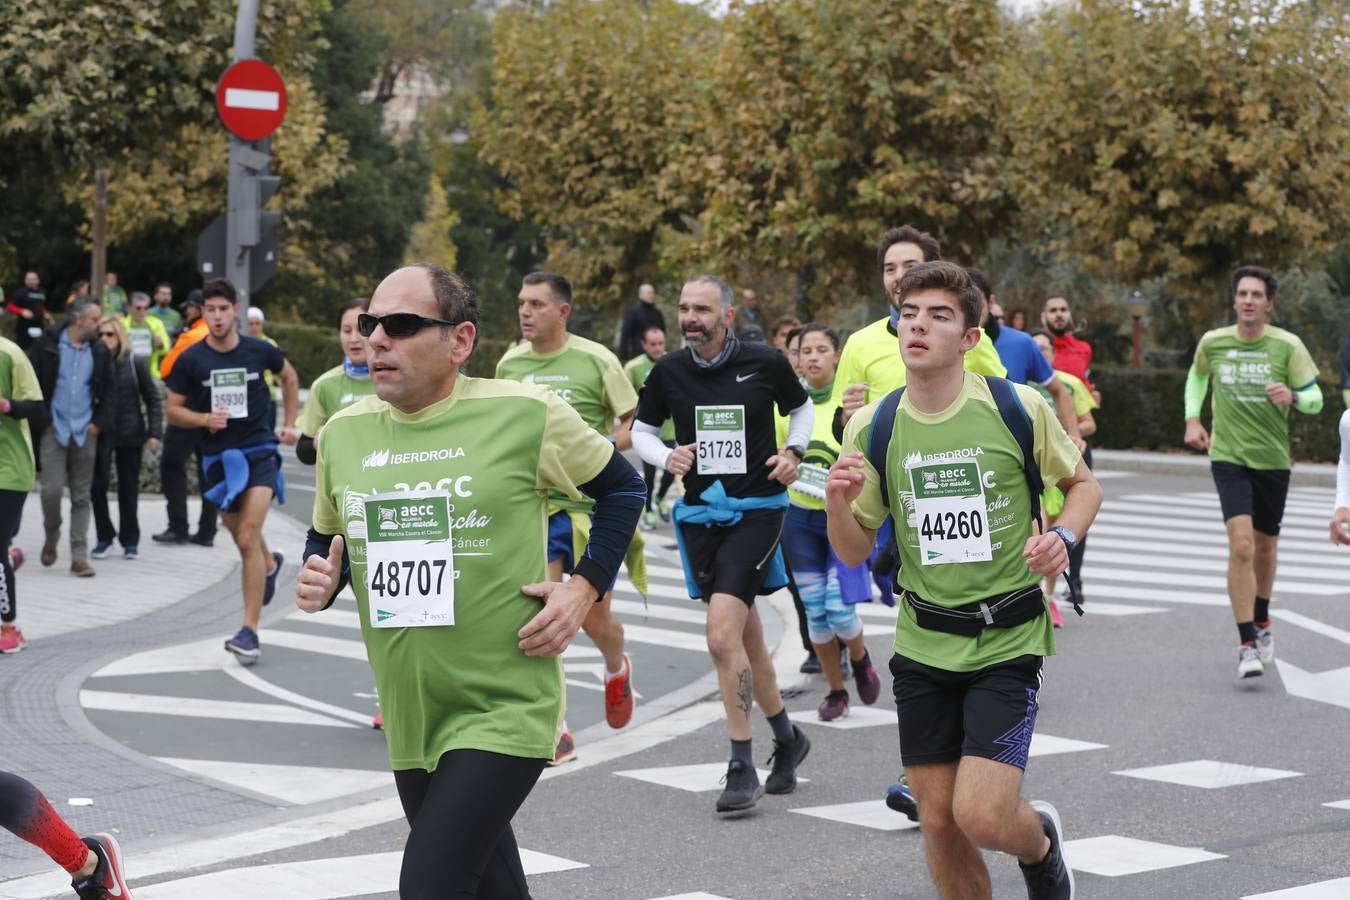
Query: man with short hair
637	369
590	380
869	367
148	337
256	321
182	444
74	369
114	297
780	329
1259	372
973	628
28	305
217	385
163	308
638	319
1072	354
721	394
750	308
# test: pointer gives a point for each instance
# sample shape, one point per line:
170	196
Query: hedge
1142	410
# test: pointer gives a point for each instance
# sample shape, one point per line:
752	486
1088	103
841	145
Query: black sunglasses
397	324
107	334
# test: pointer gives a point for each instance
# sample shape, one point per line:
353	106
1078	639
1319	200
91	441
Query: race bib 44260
951	513
720	432
410	566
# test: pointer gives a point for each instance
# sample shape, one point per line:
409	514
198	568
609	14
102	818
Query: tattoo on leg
745	690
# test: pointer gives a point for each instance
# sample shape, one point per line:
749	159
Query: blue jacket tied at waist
235	463
716	508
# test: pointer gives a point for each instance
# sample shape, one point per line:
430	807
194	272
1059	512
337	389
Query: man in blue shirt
74	370
1022	358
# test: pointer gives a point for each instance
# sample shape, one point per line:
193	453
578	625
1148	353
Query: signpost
251	100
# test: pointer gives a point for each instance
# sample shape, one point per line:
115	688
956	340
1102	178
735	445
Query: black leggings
461	844
11	510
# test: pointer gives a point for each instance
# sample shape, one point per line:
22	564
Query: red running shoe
16	558
11	639
378	722
619	697
107	882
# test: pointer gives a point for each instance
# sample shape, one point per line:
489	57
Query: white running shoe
1249	662
1265	645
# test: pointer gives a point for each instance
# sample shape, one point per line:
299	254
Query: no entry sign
251	99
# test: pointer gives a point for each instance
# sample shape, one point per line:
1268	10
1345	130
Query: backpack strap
879	441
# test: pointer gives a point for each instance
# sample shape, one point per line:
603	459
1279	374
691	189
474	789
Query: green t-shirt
172	318
1248	429
330	392
498	448
637	369
821	452
149	339
18	381
585	374
114	301
969	432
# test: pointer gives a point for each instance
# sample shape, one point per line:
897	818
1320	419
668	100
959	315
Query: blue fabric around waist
716	508
235	463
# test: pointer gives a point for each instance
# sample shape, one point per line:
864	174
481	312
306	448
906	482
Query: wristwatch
799	452
1066	535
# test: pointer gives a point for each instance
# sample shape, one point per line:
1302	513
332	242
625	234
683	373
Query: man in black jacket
636	320
28	305
73	369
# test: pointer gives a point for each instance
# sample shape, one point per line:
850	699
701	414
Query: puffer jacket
138	410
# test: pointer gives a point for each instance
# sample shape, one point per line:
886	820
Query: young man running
20	400
432	499
973	627
589	378
217	384
1259	372
637	369
721	393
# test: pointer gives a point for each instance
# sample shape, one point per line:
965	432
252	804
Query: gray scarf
728	350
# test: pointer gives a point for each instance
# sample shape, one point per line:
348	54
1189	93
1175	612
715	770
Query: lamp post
1137	306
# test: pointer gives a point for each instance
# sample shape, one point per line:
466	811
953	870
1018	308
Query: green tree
1170	140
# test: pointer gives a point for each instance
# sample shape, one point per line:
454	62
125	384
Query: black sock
1247	632
741	750
860	662
782	727
1263	609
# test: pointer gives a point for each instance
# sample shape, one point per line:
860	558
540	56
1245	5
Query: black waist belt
1000	611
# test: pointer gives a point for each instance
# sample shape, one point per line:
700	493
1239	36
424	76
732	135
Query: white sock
610	676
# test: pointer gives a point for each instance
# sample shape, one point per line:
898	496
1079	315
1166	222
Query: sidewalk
52	602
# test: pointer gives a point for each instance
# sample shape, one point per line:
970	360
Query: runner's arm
319	543
622	436
1082	500
1064	410
1308	399
648	444
305	451
620	495
290	393
177	413
1196	387
22	409
1343	467
801	421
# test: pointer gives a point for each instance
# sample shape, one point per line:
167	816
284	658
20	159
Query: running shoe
244	645
101	549
1249	662
867	680
901	799
811	665
619	697
834	706
784	761
1051	878
378	722
16	558
270	585
648	520
131	552
107	881
11	639
663	509
742	789
1265	643
566	751
169	536
1056	617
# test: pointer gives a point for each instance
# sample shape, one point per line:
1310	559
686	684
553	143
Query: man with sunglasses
217	384
590	379
432	499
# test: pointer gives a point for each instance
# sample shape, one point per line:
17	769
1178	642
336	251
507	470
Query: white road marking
1112	855
290	784
314	643
859	716
693	615
1209	774
665	637
874	814
247	678
196	707
1331	687
198	656
1049	745
1336	889
697	778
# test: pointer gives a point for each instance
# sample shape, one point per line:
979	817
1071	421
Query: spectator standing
136	422
180	445
73	369
173	321
256	320
637	320
29	305
114	301
1017	318
78	291
779	331
1344	358
1072	354
146	333
750	309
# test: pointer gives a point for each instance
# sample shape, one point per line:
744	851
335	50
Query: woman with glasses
137	423
340	385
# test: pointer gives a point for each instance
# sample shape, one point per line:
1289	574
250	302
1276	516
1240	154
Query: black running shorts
1259	493
989	713
734	559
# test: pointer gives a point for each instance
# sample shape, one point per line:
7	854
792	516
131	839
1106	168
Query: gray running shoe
1051	878
742	788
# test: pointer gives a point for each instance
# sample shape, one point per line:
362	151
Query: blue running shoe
901	799
270	586
244	645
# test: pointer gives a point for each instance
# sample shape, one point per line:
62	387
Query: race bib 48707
410	566
720	433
